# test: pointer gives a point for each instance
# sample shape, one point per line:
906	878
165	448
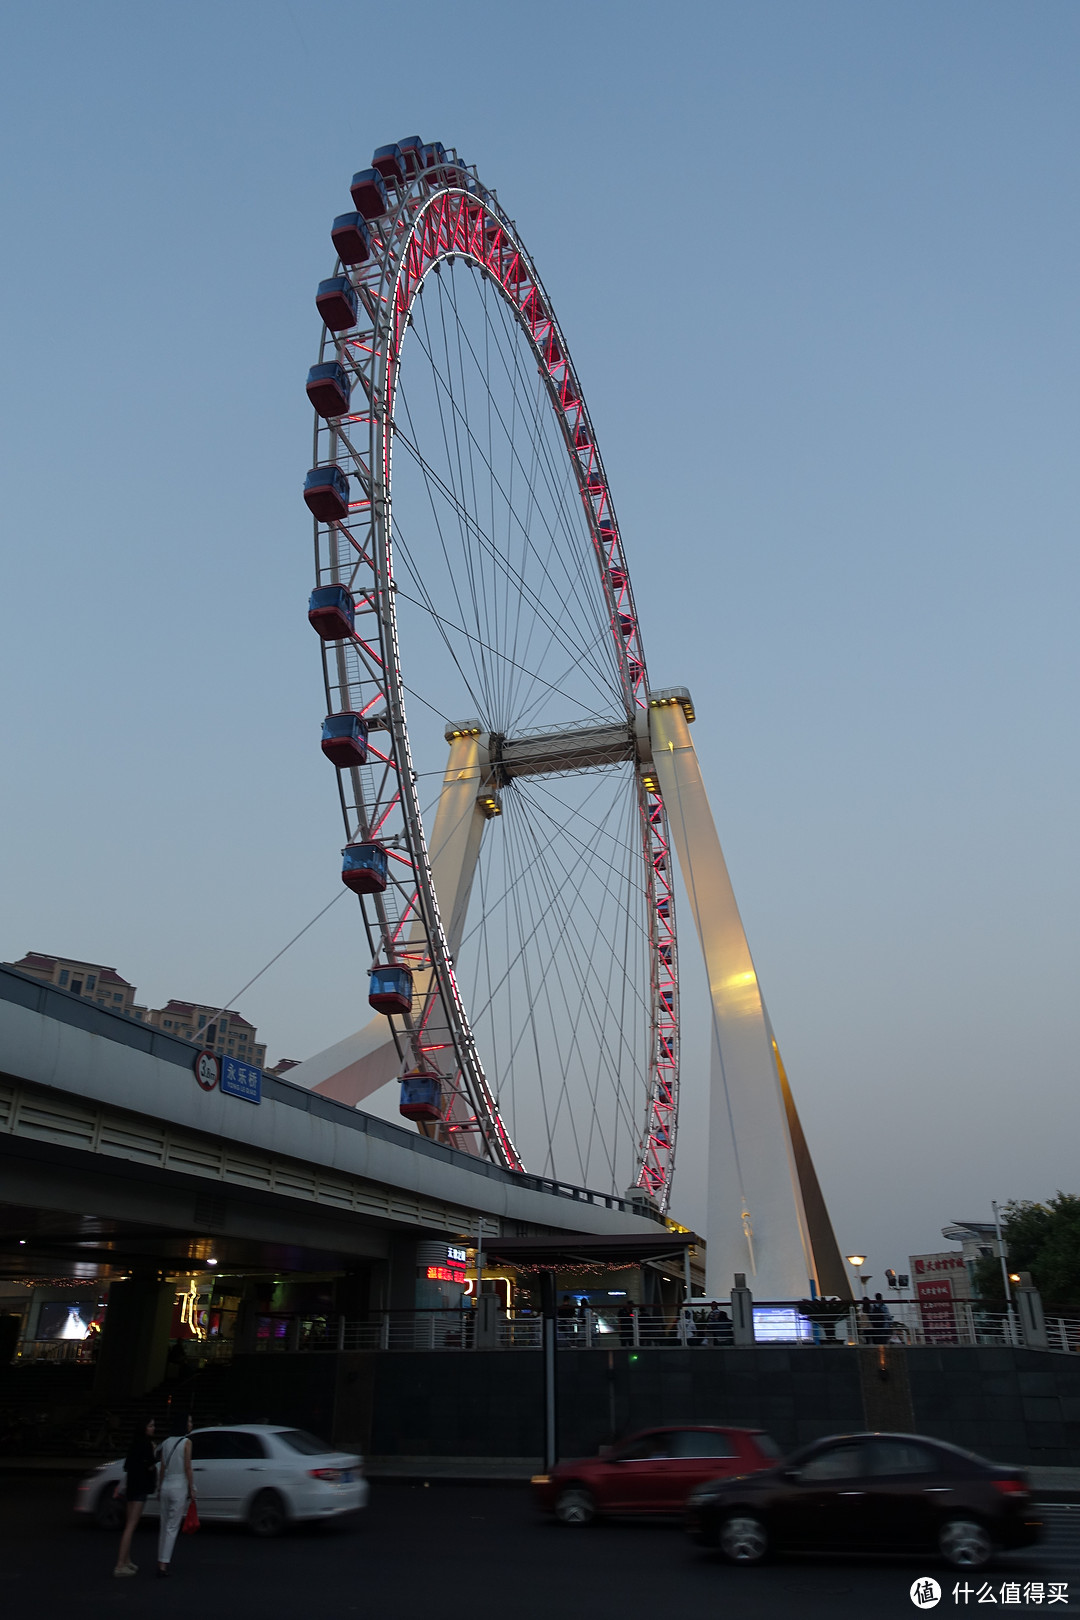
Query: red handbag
191	1519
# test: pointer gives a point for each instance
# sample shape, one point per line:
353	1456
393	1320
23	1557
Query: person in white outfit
176	1488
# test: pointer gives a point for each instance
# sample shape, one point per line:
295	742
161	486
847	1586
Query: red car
652	1472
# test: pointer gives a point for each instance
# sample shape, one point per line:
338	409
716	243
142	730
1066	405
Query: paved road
456	1552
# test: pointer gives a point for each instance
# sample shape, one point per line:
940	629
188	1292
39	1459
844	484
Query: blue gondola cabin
326	494
344	740
331	612
337	303
421	1095
390	989
329	388
363	870
369	194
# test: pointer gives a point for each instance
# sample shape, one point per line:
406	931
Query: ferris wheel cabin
331	612
344	739
421	1095
351	238
390	163
390	988
326	493
329	388
363	870
337	303
411	150
369	194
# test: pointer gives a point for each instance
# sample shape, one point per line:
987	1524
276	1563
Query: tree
1043	1239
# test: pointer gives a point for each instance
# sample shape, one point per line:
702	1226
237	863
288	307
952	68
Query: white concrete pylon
757	1221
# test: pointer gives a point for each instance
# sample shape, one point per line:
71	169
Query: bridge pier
135	1338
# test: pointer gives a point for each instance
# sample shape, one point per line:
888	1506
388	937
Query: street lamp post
856	1261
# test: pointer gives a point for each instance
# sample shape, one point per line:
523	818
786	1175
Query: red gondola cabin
411	149
337	303
421	1095
326	494
390	989
351	238
344	739
390	164
363	870
369	194
329	388
331	612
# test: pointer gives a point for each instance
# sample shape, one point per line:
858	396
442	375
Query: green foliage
1043	1239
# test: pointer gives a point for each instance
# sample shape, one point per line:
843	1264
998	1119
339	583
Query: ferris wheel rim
437	222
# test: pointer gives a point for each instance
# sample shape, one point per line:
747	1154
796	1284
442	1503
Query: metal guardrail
934	1324
56	1350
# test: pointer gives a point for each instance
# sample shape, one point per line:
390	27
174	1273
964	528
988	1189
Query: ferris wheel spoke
554	900
562	488
457	412
582	1012
589	947
449	625
579	650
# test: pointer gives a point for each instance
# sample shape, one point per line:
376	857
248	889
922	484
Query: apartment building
226	1033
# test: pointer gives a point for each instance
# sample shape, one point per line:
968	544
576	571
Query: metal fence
939	1324
702	1326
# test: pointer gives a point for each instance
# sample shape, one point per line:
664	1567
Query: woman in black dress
140	1471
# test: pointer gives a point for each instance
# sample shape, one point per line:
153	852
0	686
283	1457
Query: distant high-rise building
226	1033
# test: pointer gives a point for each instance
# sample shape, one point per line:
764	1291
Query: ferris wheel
486	700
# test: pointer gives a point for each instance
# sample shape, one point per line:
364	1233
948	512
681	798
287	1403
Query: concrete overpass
115	1163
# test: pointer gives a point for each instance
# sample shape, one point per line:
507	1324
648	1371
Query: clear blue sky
818	266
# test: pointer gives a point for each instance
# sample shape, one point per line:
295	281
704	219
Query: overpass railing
702	1326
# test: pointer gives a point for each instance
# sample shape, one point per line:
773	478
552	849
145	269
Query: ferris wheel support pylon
766	1215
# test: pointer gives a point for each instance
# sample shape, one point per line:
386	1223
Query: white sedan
261	1474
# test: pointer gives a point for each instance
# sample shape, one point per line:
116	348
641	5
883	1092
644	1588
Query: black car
869	1493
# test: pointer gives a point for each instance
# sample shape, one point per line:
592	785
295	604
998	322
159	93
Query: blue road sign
241	1080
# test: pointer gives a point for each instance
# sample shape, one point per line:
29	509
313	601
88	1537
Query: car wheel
575	1506
743	1539
109	1511
965	1544
267	1515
